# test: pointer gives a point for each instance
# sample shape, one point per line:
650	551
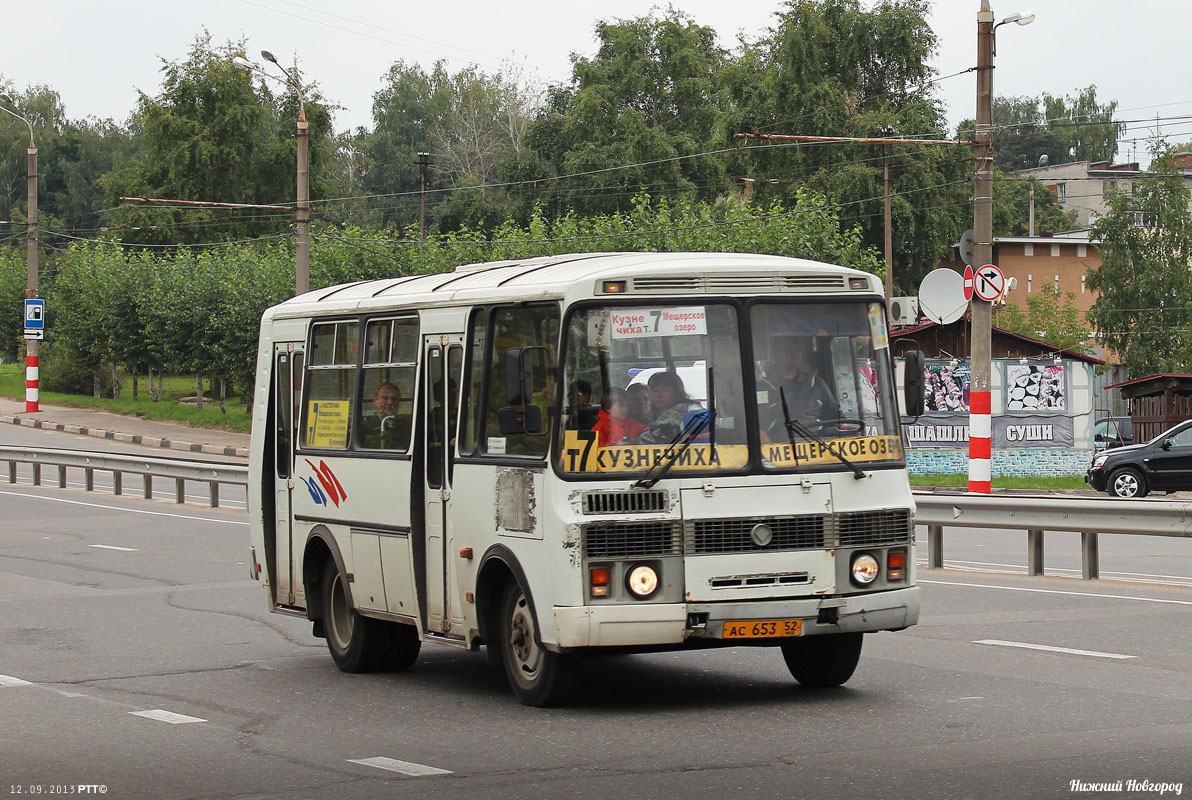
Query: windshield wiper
692	429
793	426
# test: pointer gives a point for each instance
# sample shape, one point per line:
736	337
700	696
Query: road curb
127	438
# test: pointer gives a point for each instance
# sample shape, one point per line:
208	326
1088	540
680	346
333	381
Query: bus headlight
642	581
865	569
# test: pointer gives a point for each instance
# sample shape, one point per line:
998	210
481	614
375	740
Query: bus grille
625	502
735	535
872	528
631	539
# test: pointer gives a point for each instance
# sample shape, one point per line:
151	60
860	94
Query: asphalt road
136	655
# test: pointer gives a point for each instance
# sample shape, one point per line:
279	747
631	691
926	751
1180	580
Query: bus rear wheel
357	644
537	676
823	661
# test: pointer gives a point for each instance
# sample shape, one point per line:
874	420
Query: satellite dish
941	296
965	246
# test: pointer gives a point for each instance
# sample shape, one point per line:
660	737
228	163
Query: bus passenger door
287	391
443	356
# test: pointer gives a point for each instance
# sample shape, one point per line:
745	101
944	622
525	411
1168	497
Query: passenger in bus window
809	400
581	414
671	404
385	428
616	425
639	403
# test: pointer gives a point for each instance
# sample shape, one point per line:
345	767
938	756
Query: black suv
1163	464
1110	432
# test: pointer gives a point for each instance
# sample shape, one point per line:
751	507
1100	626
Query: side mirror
912	382
520	415
519	376
514	420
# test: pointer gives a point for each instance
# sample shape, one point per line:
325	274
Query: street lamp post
980	469
302	245
31	250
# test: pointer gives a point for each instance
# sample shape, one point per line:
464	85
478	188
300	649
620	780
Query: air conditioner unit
904	310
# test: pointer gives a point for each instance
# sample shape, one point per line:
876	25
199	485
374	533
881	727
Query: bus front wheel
357	644
827	660
537	676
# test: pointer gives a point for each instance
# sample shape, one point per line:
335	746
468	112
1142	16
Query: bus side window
386	404
331	384
469	425
536	329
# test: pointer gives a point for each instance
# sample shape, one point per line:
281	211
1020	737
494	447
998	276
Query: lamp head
265	54
1020	18
6	97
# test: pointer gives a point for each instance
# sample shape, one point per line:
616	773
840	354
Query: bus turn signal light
896	565
600	581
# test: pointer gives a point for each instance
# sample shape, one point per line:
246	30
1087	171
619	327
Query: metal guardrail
1031	513
212	473
1034	514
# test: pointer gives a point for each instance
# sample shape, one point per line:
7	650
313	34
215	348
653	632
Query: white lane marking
1056	591
114	547
159	495
1060	569
1050	649
1018	569
118	508
404	767
8	680
162	715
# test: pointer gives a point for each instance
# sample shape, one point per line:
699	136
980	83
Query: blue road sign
35	315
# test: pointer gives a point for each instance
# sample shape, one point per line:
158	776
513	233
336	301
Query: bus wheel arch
498	568
320	548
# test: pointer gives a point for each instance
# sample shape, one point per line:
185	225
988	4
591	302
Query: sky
98	55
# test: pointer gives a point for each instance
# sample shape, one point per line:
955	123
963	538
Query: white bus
423	468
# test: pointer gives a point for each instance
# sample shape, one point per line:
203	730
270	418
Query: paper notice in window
327	423
638	323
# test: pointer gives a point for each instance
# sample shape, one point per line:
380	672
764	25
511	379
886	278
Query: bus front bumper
647	624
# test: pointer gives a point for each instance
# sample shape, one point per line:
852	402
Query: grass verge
1003	482
168	409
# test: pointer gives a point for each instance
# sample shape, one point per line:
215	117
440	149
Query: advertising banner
1008	432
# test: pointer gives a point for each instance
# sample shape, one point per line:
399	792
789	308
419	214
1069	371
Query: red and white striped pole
980	442
31	383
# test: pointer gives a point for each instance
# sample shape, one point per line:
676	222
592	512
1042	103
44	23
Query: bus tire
823	661
404	646
357	644
537	676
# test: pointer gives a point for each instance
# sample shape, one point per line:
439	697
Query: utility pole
980	469
302	246
888	249
423	163
302	206
32	366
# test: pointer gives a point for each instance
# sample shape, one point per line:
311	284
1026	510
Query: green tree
212	135
652	95
1050	315
835	68
1011	207
1063	128
1144	282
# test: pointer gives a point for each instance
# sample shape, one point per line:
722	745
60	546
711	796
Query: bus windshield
646	384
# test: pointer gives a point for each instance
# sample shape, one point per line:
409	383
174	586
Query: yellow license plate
762	628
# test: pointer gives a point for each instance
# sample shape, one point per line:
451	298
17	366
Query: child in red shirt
615	426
